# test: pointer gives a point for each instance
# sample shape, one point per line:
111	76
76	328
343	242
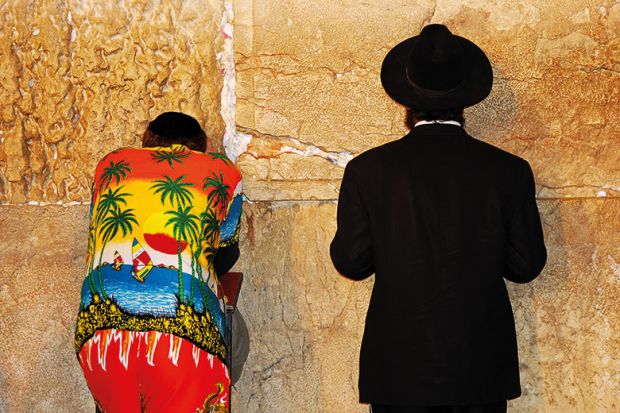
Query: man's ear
149	139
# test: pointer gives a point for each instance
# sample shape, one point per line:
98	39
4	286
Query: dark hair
171	128
414	115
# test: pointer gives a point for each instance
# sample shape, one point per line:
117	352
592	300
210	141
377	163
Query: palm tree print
210	232
210	226
195	270
185	228
196	251
116	171
175	190
91	257
219	193
220	156
117	220
107	202
175	155
209	253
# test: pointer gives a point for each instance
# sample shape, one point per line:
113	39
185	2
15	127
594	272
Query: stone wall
310	97
80	78
77	80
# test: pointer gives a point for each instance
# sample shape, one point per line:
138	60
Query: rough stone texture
306	321
568	320
43	254
308	71
310	97
81	78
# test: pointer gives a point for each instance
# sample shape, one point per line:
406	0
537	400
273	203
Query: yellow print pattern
188	324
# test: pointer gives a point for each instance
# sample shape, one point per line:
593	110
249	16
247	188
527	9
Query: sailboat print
142	263
118	261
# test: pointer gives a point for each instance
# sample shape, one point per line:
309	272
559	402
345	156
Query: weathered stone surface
83	78
568	319
80	78
42	250
306	321
309	71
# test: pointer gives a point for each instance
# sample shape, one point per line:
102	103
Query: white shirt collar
430	122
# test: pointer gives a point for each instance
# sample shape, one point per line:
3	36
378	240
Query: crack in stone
266	371
326	72
337	158
297	68
601	190
235	142
296	146
431	14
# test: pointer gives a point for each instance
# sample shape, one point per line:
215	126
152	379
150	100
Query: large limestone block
42	250
308	77
81	78
306	321
568	320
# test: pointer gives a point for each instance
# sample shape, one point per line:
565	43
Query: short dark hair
171	128
415	115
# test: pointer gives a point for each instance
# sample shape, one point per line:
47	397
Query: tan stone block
43	254
305	75
567	319
292	190
273	170
306	321
571	141
85	78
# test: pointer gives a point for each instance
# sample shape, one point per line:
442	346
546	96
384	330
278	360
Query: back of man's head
171	128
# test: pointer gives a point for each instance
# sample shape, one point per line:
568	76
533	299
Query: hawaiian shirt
158	217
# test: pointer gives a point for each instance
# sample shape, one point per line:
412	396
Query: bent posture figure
441	219
164	223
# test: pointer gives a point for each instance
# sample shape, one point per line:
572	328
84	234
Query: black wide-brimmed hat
436	70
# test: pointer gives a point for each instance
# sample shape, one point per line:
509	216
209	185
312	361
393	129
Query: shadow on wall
268	300
526	306
523	304
3	401
493	118
305	320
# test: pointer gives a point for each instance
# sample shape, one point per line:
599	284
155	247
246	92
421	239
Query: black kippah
175	125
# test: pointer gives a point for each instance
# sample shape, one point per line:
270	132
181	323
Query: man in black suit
441	219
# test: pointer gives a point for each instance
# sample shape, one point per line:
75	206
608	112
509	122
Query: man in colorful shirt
164	224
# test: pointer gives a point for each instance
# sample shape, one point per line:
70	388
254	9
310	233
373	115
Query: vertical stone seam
235	142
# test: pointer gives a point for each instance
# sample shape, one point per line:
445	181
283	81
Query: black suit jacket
441	219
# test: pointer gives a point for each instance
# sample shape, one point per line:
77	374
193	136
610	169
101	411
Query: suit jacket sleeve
351	248
526	253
